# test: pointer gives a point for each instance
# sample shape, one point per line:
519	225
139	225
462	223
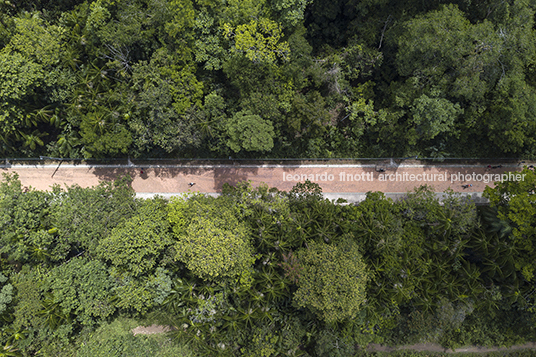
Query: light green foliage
362	115
212	242
209	47
27	66
19	80
25	222
137	245
36	41
84	288
131	293
434	116
262	344
183	18
249	200
215	247
260	40
98	15
139	294
115	339
237	11
289	12
102	139
6	294
84	216
333	280
249	132
28	287
212	25
163	91
19	76
516	204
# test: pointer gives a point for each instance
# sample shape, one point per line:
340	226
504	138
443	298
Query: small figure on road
191	184
141	171
466	186
493	167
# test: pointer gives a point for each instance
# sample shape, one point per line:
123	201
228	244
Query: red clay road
344	179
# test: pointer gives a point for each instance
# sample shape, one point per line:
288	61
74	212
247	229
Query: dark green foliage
260	272
28	232
82	288
332	280
84	216
514	203
116	340
317	78
138	245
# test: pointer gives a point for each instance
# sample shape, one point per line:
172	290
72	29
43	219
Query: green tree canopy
333	280
249	132
516	204
84	288
138	244
212	241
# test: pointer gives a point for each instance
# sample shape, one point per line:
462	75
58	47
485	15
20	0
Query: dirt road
345	179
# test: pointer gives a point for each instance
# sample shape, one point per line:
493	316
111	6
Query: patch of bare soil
432	347
150	330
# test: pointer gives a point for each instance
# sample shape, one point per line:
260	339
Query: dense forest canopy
261	272
257	271
267	78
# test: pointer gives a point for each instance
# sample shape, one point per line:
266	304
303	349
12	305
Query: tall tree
333	280
212	241
516	204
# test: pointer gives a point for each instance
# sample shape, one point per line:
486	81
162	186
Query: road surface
350	181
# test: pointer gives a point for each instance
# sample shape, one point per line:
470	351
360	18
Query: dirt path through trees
334	179
432	347
420	347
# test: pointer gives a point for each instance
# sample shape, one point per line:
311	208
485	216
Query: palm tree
44	115
264	229
53	312
67	144
16	335
446	222
39	253
493	224
9	351
33	139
